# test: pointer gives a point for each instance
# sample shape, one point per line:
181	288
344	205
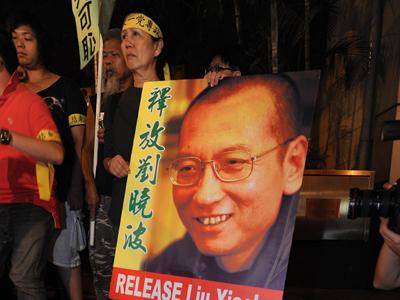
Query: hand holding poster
210	203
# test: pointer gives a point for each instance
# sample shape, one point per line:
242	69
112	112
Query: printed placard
86	13
210	203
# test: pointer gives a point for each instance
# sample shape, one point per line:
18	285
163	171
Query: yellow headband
141	21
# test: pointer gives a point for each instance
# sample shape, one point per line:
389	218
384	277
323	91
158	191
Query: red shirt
22	178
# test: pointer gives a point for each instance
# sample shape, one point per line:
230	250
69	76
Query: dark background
343	42
193	31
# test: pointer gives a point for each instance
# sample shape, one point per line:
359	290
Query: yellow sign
202	192
86	13
148	189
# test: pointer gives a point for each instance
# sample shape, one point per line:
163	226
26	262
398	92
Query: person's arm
92	197
44	151
76	112
113	163
45	143
387	271
77	135
75	195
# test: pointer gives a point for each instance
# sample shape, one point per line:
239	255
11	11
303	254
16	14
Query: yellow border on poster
159	102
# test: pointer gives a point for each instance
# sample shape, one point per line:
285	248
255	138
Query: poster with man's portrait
210	203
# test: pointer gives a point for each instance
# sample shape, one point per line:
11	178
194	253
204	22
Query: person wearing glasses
227	62
235	180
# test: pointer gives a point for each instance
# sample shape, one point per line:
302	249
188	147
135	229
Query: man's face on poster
230	219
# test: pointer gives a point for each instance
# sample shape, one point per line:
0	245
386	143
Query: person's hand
100	135
391	239
214	77
388	185
91	197
118	166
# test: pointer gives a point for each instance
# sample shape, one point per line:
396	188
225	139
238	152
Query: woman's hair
161	59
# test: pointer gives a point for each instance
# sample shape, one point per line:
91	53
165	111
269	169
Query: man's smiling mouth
214	220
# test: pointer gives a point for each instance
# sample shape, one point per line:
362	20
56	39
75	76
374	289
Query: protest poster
86	14
210	203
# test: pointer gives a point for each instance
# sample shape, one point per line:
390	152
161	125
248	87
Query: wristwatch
5	136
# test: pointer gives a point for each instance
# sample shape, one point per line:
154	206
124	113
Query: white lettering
221	294
189	292
119	288
157	290
147	287
226	294
177	290
166	295
137	293
129	285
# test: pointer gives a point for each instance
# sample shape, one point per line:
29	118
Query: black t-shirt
103	178
119	140
68	108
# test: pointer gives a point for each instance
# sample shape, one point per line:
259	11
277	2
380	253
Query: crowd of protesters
46	151
46	154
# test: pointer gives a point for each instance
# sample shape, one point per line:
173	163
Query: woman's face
139	49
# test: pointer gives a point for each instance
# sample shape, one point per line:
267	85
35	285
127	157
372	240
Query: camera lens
375	203
359	205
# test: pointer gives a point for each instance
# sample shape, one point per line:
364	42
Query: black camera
376	203
379	203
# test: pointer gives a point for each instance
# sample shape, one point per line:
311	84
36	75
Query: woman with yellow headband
142	43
